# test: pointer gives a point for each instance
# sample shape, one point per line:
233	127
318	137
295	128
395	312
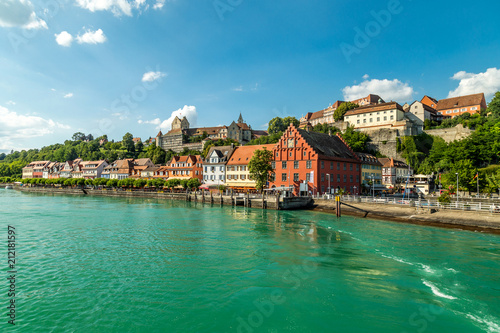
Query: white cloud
64	38
487	83
366	76
11	103
152	76
120	116
156	121
14	128
240	88
69	95
187	111
159	4
118	7
91	37
387	89
19	13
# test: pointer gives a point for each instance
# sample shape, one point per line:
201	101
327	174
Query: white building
214	167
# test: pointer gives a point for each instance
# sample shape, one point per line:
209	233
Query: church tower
240	119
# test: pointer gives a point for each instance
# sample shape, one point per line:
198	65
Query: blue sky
117	66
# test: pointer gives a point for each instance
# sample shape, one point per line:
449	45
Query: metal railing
486	207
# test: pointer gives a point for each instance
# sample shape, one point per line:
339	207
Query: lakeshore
466	220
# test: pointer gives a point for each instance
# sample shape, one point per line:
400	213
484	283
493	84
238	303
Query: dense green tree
339	113
193	183
278	124
494	105
260	167
128	142
356	140
139	183
78	136
325	128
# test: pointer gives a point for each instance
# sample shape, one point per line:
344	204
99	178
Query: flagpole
477	176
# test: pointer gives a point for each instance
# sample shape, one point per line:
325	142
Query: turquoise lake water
94	264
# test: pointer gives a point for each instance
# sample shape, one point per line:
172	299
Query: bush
445	198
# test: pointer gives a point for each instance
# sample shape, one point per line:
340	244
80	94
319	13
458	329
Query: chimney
232	145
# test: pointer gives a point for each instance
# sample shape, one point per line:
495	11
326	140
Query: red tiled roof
461	101
243	154
374	108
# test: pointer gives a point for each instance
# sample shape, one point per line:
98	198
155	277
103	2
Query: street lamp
373	187
456	173
329	191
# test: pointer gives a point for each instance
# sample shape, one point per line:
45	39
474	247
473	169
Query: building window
392	117
357	178
345	166
295	177
273	165
243	177
283	177
308	164
322	164
371	120
448	112
345	178
322	188
295	164
364	121
385	118
455	111
338	177
474	108
378	118
290	154
338	165
272	177
322	177
283	165
331	165
350	178
357	167
350	166
308	177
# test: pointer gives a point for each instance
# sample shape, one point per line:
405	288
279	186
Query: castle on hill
181	135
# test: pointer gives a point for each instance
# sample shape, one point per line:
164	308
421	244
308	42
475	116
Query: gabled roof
223	152
392	163
461	101
326	145
426	107
429	97
142	161
368	159
243	154
375	108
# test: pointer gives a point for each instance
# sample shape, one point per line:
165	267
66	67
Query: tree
260	167
277	124
112	183
194	183
494	105
139	183
78	136
342	109
325	128
128	142
466	175
139	146
356	140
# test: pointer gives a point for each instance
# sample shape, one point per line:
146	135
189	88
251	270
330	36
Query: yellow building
237	174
